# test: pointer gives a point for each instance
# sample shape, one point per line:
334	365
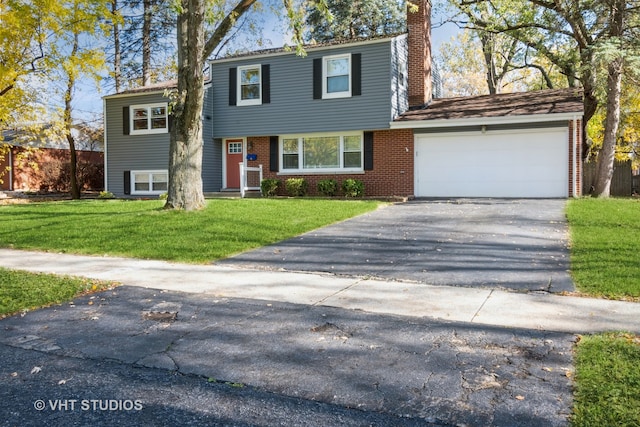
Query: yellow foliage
628	141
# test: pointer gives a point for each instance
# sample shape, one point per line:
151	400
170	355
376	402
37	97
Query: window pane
352	160
159	181
338	67
141	181
140	113
337	84
158	112
321	152
159	123
235	147
250	91
290	161
290	146
250	76
352	143
140	124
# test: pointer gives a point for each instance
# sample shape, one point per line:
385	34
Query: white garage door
530	163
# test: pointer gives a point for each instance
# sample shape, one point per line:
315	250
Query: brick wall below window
392	173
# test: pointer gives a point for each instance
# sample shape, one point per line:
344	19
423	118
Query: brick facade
392	173
419	54
575	146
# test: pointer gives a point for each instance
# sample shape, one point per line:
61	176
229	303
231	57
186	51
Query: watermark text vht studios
70	405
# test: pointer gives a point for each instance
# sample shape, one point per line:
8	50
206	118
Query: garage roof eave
483	121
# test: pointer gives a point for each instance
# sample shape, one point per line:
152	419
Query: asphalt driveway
505	243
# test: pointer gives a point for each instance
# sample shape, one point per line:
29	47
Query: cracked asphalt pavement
192	359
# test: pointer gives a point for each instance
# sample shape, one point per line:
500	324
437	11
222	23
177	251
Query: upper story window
250	85
336	76
151	118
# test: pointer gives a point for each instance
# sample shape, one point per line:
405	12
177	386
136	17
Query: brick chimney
419	61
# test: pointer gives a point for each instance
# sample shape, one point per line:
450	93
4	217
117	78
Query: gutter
482	121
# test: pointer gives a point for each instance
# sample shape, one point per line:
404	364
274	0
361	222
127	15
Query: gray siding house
362	110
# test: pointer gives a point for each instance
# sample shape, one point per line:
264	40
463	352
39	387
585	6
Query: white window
250	85
152	118
322	153
336	76
149	182
234	148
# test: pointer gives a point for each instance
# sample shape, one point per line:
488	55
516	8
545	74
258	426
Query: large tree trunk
146	43
185	152
606	156
117	54
68	96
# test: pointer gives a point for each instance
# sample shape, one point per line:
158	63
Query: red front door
234	158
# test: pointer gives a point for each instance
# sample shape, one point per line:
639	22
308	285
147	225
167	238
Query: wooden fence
621	183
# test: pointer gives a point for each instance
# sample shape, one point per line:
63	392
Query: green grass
605	246
21	291
142	229
607	389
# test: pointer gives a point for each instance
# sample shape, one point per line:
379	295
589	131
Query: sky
88	99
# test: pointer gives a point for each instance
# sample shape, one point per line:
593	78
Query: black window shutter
127	182
233	85
317	78
170	123
266	84
273	154
356	74
125	121
368	151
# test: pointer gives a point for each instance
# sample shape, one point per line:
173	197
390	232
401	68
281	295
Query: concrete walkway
533	310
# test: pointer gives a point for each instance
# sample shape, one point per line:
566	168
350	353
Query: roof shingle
550	101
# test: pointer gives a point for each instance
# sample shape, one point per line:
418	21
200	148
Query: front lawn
142	229
605	246
21	291
607	381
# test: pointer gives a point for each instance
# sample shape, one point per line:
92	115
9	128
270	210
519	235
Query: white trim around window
335	152
148	119
249	85
336	76
149	182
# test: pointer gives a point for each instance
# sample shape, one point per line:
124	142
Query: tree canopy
354	19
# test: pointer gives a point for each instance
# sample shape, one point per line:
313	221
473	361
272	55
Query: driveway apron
493	243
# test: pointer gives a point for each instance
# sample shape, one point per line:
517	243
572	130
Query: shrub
296	187
106	195
328	187
269	187
353	188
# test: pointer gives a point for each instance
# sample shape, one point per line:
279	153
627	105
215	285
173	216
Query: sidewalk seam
337	292
481	306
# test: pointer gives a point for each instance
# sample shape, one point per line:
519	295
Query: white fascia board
132	94
483	121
